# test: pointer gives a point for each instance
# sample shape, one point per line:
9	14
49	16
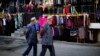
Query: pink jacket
42	21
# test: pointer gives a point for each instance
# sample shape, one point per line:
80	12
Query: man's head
49	20
33	20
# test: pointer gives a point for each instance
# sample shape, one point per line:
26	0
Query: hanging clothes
69	23
26	18
16	22
38	2
90	36
12	9
4	22
48	3
59	10
20	20
58	20
42	21
66	10
58	2
28	8
81	32
80	22
1	27
62	21
38	12
56	33
73	1
12	24
1	13
54	21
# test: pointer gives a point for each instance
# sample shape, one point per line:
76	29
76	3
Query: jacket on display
66	10
42	21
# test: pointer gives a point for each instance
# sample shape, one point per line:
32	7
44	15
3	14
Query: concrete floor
61	49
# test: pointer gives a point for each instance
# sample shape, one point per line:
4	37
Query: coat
31	34
47	38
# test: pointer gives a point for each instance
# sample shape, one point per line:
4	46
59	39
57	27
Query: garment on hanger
28	8
20	19
4	22
90	36
54	21
48	3
73	1
16	22
81	32
66	10
58	2
69	23
1	27
12	9
56	32
42	21
59	21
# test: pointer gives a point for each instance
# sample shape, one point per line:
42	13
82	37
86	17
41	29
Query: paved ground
61	48
16	48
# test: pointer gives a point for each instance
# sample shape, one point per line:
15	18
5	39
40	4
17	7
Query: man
47	38
31	36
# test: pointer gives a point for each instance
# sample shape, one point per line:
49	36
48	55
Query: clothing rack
82	14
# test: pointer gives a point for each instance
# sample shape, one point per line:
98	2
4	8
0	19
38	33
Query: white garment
48	3
90	35
62	20
59	1
81	32
4	22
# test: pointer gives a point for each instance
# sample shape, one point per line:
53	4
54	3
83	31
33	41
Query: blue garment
57	17
59	20
98	12
37	26
29	49
56	32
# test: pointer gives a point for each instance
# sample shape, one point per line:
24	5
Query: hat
49	17
33	18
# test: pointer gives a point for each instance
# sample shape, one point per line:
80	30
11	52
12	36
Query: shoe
24	55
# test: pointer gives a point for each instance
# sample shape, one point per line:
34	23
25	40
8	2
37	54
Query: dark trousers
29	49
51	49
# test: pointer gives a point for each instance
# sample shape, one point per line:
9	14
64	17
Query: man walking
31	36
47	38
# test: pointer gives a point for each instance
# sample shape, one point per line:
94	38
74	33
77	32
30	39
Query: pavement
8	42
15	46
61	49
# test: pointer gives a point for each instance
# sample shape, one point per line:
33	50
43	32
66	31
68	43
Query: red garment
69	23
27	7
80	22
54	21
66	10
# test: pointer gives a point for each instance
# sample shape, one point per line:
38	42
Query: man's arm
28	32
43	31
